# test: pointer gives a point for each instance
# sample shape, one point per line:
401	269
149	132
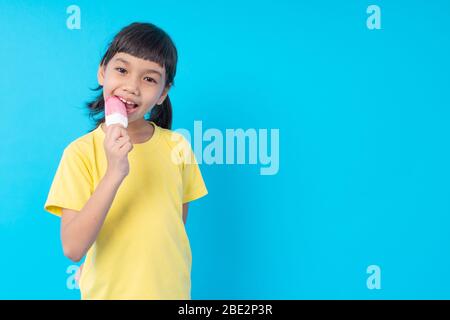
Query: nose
131	87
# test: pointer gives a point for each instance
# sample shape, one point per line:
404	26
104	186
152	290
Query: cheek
111	80
147	107
151	98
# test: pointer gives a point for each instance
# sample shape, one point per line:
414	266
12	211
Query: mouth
130	106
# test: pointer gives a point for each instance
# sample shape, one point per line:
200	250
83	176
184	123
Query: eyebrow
146	70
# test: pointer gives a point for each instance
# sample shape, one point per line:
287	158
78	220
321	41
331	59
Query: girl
122	194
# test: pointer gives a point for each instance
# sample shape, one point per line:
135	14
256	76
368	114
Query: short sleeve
193	185
72	183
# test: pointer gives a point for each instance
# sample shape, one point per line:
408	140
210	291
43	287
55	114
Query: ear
164	94
100	75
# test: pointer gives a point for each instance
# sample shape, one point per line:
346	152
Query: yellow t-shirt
142	250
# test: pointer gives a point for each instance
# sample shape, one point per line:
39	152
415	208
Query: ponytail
96	109
162	114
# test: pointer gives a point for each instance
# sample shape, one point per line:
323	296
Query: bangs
151	45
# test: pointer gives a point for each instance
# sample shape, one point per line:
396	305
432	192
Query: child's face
136	80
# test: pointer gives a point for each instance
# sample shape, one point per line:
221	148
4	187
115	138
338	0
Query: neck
138	126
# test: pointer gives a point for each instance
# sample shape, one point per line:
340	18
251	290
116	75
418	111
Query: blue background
363	118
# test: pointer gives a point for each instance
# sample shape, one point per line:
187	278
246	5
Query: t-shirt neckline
148	143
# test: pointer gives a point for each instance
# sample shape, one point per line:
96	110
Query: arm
80	229
185	211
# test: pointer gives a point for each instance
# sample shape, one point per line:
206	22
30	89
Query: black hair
145	41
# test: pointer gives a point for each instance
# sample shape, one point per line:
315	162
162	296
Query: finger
115	132
126	147
124	138
123	132
121	141
110	127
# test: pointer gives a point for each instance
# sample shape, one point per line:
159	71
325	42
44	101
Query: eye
118	69
151	79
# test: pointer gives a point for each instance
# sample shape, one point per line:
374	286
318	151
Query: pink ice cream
115	112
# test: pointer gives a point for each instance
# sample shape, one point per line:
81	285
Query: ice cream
115	112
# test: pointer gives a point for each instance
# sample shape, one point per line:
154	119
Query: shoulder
178	146
173	139
82	146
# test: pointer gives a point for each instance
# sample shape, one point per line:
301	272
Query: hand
117	145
